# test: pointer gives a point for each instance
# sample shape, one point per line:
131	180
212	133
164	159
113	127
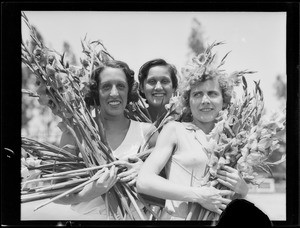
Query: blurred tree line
38	121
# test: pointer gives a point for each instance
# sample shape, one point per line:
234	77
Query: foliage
62	88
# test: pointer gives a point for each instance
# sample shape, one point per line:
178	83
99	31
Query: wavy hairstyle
92	98
225	84
202	68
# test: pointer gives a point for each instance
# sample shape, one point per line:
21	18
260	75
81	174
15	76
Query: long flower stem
53	178
62	185
135	204
68	192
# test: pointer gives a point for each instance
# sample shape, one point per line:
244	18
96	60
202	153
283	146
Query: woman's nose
205	99
114	91
158	85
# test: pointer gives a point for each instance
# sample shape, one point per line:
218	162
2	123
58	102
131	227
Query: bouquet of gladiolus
39	162
63	88
242	138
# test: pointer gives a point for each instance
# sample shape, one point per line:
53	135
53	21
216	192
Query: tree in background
281	93
38	121
196	40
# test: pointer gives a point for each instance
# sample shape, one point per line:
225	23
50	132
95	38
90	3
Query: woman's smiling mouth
206	109
114	103
158	94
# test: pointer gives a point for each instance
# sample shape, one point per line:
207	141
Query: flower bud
40	56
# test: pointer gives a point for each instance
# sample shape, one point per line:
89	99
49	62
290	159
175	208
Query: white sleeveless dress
186	166
135	136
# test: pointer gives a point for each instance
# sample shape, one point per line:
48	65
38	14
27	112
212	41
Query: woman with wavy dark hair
157	83
111	89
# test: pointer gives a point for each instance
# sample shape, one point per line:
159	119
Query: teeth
158	95
114	102
206	109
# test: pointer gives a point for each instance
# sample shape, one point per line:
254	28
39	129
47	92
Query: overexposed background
257	39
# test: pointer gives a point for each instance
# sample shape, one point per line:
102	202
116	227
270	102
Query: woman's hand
101	185
212	199
232	179
133	166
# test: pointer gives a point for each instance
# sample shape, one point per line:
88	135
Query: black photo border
11	98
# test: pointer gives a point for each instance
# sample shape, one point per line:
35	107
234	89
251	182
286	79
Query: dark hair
144	70
92	97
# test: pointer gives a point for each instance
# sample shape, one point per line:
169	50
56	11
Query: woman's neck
115	123
205	127
155	111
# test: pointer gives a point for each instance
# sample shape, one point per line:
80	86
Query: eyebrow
110	82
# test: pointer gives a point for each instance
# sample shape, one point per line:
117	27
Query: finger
226	192
219	211
125	173
227	182
112	181
228	177
132	182
213	183
112	172
228	168
221	172
119	162
225	200
101	171
103	177
223	206
133	159
224	183
226	174
128	178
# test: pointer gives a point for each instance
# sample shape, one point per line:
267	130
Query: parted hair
144	70
92	98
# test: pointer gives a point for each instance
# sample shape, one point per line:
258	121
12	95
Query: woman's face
113	91
206	101
158	87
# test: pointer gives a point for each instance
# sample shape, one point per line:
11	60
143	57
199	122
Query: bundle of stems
64	88
242	139
52	160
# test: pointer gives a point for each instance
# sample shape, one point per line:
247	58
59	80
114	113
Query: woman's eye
105	87
165	81
121	86
213	94
151	82
197	94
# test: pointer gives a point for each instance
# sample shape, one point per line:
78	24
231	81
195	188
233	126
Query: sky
257	40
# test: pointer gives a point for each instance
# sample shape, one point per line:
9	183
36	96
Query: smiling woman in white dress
113	89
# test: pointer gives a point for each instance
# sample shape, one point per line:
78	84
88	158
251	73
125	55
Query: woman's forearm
155	185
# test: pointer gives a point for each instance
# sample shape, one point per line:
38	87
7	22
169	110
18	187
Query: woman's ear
141	87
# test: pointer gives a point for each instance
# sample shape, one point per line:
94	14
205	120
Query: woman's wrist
192	195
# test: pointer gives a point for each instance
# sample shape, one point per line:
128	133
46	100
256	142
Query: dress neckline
126	136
